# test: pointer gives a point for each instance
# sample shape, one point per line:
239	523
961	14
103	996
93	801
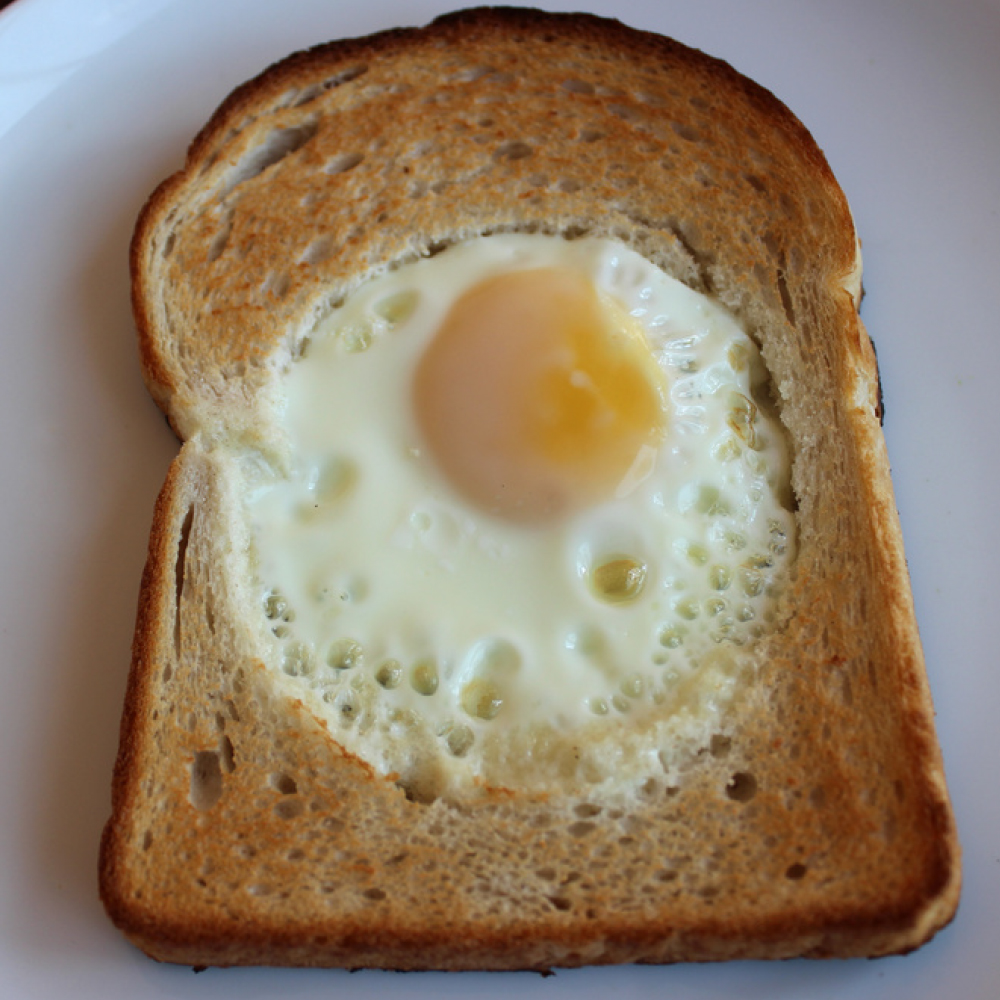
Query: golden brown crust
817	823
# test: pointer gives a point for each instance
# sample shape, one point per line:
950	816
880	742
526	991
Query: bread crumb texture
814	821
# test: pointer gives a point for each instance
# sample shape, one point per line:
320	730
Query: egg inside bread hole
535	519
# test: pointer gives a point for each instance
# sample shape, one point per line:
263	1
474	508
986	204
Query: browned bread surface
815	822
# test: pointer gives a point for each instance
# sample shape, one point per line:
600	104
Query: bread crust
241	832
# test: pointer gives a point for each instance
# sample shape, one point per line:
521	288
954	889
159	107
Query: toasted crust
815	823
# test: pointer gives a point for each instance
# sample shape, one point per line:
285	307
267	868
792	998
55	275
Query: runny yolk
537	396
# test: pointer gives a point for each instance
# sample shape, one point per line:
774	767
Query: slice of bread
810	819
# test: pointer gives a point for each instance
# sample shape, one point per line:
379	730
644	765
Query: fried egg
536	514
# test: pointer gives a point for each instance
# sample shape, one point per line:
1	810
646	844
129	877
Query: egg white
379	582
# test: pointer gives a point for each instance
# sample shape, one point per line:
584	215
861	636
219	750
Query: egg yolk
538	396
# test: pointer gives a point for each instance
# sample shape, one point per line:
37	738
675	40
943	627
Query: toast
810	817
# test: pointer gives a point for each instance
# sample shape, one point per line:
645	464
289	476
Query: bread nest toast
813	822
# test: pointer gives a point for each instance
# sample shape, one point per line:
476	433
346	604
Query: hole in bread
513	150
625	112
433	249
277	284
586	777
345	76
342	163
847	692
147	840
786	298
687	237
306	95
756	183
226	755
284	783
560	903
182	547
742	787
585	810
221	238
619	177
281	142
313	91
590	135
168	245
685	131
650	789
417	793
581	828
546	874
289	808
319	250
374	894
569	186
575	86
719	745
206	780
796	872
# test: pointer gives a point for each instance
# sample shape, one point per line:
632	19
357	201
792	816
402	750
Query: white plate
97	102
